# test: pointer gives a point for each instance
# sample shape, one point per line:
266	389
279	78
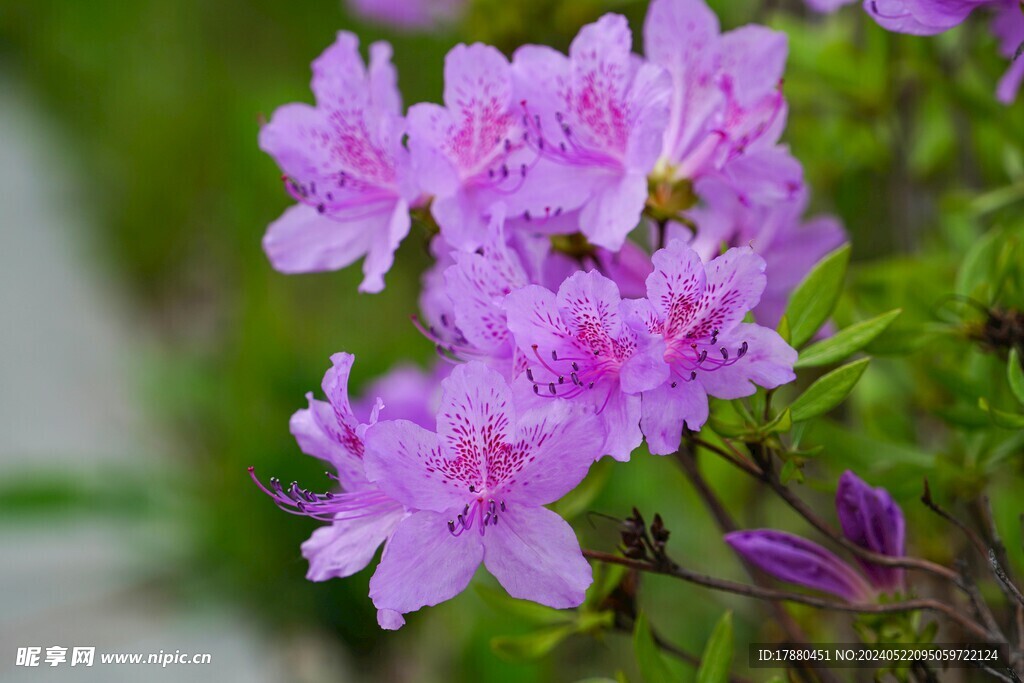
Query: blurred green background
144	116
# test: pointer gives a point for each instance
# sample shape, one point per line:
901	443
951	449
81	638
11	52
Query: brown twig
727	524
997	562
970	533
736	459
760	593
981	609
824	527
1006	581
1007	584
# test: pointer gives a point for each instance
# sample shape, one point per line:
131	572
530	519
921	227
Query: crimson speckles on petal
578	348
345	165
470	152
503	468
698	309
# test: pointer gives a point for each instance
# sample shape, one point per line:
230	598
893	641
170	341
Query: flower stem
761	593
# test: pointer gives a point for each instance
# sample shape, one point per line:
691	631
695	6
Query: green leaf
1015	375
589	621
791	472
782	422
813	299
846	342
783	329
929	632
1001	418
717	657
976	267
828	392
607	578
652	667
532	645
858	450
726	427
503	603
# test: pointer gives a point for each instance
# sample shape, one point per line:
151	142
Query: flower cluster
869	518
614	236
598	143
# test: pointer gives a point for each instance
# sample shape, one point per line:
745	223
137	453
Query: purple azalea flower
579	347
408	14
470	153
922	17
1008	27
345	165
930	17
797	560
596	119
698	309
726	102
463	301
478	487
873	520
362	516
774	230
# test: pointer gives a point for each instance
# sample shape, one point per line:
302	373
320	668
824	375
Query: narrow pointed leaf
587	621
1001	418
607	578
812	301
846	342
782	422
652	667
784	331
532	645
717	657
1015	375
828	391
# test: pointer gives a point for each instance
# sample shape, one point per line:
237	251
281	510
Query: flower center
482	510
688	356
